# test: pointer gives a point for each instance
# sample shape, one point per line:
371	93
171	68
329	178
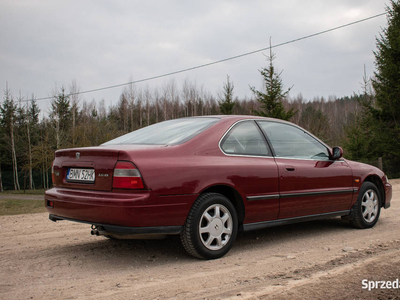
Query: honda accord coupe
206	178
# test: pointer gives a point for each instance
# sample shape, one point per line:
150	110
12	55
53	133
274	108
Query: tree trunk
14	157
148	111
165	109
1	181
43	176
131	111
58	132
140	114
30	157
156	110
73	126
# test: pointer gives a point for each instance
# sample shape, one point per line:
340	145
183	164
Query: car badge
78	155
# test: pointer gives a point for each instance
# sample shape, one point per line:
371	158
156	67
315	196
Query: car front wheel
211	227
365	213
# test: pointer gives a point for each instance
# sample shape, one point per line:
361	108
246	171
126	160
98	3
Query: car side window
245	138
292	142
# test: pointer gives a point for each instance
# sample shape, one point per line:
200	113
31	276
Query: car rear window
172	132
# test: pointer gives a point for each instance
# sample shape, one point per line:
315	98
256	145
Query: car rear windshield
170	132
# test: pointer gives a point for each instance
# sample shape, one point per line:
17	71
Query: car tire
211	227
365	213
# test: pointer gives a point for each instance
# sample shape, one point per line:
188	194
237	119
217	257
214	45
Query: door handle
289	168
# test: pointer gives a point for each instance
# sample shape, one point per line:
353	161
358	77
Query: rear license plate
81	175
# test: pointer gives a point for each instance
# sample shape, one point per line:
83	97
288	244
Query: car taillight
126	176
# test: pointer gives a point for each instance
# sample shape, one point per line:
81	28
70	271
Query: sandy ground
328	259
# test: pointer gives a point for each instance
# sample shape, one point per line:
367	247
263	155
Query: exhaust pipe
98	230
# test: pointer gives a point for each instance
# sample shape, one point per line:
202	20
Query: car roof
235	118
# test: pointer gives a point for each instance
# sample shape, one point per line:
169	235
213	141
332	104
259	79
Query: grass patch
18	207
21	192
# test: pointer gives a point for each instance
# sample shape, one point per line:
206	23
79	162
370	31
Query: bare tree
131	96
186	96
74	94
156	101
147	96
123	112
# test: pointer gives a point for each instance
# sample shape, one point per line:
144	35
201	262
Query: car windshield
170	132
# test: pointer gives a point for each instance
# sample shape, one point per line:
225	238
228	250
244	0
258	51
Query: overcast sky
48	43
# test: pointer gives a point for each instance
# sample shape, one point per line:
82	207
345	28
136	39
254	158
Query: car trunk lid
85	168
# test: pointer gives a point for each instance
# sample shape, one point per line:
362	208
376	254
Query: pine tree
226	104
271	100
387	85
32	127
61	118
8	122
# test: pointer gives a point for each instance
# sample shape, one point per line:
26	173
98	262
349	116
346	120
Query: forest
28	143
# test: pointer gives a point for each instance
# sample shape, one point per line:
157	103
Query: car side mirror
337	152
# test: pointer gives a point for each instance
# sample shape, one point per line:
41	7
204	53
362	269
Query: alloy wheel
369	206
215	227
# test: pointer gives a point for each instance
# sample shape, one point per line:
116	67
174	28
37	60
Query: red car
205	178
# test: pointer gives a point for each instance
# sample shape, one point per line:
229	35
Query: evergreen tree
8	123
32	128
361	132
61	118
33	111
387	85
226	104
43	152
375	131
271	100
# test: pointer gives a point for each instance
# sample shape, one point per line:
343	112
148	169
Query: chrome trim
308	159
244	155
262	197
289	195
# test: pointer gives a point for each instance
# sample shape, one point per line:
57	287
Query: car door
309	181
254	171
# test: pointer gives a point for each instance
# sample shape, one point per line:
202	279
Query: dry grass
18	207
27	192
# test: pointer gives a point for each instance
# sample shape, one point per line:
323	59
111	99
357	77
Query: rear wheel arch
233	196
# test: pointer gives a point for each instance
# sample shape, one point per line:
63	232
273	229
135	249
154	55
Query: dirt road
325	259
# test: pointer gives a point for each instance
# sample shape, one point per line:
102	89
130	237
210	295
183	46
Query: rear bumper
112	229
138	209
